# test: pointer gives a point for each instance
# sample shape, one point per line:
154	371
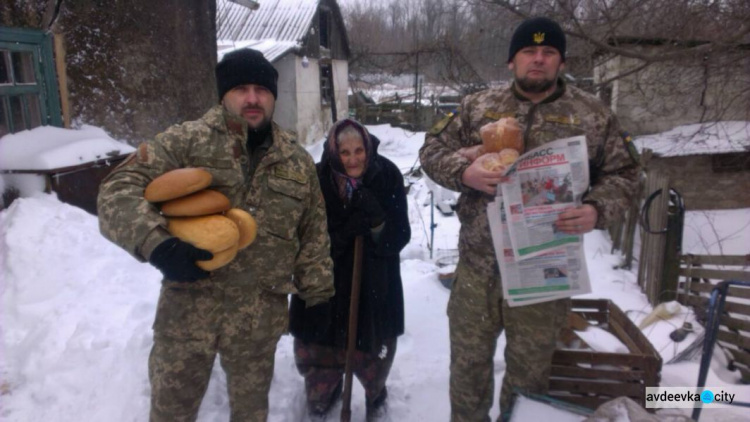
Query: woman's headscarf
346	185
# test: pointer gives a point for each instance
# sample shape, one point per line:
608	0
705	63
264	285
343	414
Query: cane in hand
346	411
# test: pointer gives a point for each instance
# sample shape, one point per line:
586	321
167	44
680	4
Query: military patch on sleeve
440	126
494	115
630	146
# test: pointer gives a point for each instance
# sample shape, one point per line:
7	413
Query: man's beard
537	86
261	126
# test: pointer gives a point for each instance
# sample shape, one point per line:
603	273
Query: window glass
16	114
23	67
326	88
4	68
35	112
4	129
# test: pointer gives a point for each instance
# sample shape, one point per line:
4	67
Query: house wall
701	187
314	119
669	94
309	110
286	102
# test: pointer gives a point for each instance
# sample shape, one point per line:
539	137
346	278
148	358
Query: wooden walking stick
346	411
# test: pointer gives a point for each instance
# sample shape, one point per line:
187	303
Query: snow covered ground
76	316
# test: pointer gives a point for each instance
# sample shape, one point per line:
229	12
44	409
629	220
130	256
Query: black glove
319	317
176	260
363	199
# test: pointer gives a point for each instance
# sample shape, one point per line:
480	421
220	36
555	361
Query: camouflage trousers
477	316
323	370
195	323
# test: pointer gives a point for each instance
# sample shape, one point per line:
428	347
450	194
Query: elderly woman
364	196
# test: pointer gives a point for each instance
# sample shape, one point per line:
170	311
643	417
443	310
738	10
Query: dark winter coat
381	306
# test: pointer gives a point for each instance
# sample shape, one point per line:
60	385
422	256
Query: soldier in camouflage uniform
547	109
240	310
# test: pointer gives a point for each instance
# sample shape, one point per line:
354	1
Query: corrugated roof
271	49
281	20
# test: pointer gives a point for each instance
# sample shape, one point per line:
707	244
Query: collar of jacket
219	119
559	92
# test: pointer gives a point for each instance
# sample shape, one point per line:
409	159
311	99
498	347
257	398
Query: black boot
377	409
319	411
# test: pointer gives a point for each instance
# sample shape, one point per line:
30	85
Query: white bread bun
245	223
176	183
219	260
214	233
203	202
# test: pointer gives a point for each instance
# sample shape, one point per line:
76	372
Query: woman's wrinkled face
352	155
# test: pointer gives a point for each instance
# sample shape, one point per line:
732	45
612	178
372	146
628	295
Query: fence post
651	263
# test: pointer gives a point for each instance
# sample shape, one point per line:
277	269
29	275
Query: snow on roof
281	20
271	49
48	148
698	139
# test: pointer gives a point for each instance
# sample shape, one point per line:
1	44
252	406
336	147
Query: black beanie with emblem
242	67
537	31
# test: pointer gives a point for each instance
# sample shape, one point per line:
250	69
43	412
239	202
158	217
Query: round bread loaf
176	183
492	162
219	260
508	156
245	223
203	202
502	134
214	233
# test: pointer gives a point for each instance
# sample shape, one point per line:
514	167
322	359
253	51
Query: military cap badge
539	37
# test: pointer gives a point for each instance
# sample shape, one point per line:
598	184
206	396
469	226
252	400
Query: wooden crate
698	276
590	378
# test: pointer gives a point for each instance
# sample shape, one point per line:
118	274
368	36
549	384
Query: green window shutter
29	95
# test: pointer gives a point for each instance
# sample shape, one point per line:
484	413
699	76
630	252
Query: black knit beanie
242	67
537	31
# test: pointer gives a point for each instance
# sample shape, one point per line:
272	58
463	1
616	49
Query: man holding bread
237	308
540	107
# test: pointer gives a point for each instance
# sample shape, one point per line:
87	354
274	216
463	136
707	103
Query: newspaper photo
543	183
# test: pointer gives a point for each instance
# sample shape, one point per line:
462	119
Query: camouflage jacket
567	112
291	253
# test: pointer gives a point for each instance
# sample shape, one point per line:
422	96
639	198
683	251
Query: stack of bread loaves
502	142
200	216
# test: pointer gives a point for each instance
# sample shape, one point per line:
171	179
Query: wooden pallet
589	378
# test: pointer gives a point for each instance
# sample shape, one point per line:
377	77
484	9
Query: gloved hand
176	260
363	199
358	224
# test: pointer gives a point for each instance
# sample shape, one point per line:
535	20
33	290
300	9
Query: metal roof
271	49
280	20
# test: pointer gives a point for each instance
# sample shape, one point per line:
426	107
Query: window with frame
326	84
28	89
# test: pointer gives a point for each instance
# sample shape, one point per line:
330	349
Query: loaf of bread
219	260
492	162
214	233
502	134
203	202
245	223
177	183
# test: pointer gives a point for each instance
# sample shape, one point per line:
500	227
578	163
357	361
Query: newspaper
541	184
537	263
